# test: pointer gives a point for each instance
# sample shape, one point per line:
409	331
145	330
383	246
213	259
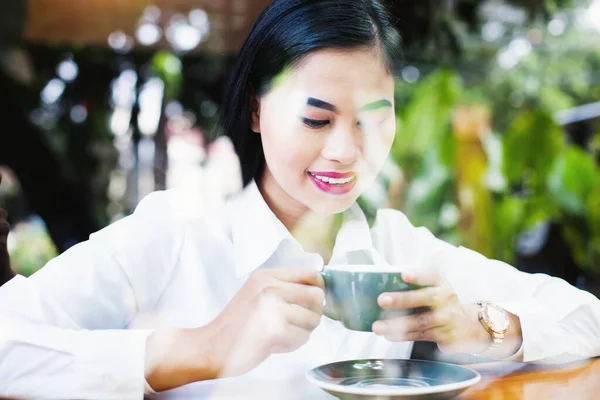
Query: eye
315	123
371	123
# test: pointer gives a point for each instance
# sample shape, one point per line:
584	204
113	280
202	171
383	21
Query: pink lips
333	189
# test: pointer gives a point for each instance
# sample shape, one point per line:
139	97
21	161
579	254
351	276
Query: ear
254	112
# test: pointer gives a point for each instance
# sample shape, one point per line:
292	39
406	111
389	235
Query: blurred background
497	148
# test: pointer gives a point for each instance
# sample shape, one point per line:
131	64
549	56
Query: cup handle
328	309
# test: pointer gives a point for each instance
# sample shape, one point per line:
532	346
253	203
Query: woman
177	293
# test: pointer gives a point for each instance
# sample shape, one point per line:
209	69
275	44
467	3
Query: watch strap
495	344
496	339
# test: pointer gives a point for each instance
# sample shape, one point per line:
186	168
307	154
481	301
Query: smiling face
327	126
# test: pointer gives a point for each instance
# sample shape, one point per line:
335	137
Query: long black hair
285	33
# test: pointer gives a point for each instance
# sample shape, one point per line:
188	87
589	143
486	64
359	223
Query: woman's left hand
453	326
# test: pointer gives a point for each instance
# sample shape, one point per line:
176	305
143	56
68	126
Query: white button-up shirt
78	327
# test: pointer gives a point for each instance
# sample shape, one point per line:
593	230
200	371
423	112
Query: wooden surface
510	381
579	381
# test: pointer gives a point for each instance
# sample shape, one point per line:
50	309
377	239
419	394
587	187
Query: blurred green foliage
33	247
544	177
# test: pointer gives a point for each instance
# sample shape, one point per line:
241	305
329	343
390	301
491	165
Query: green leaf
555	99
577	243
428	192
446	147
595	254
507	224
169	68
573	180
594	211
426	117
530	147
539	208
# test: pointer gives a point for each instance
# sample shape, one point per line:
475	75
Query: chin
333	206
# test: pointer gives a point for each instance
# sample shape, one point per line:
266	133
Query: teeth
334	181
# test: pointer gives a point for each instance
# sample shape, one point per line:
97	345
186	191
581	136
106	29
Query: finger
309	297
292	339
301	275
301	317
411	323
439	335
427	297
423	277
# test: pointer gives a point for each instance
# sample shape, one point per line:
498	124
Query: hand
274	312
453	326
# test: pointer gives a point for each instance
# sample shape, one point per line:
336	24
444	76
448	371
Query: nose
343	145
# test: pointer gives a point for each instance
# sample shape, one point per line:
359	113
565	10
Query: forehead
338	77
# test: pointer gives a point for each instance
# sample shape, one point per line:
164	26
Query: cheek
378	146
289	150
388	133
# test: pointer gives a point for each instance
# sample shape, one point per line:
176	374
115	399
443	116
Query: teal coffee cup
351	293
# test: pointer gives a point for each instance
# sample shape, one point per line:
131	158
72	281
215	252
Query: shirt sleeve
559	322
63	331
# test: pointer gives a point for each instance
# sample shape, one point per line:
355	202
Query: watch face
497	318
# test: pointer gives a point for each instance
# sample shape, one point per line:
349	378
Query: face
327	126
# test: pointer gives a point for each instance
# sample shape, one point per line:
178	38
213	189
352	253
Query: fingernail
408	277
380	328
385	300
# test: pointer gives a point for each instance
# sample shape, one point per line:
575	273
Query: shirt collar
256	231
257	234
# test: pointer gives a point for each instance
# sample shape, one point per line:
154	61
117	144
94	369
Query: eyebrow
313	102
376	105
322	104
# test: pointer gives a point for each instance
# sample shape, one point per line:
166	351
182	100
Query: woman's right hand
274	312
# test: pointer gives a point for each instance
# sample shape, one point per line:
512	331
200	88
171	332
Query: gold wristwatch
495	321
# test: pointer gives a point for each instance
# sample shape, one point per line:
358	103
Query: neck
312	230
286	209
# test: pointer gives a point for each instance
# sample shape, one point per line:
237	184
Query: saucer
393	379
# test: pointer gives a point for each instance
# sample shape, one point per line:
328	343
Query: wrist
176	357
480	339
205	362
500	330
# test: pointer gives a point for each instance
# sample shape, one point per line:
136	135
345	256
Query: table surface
576	381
